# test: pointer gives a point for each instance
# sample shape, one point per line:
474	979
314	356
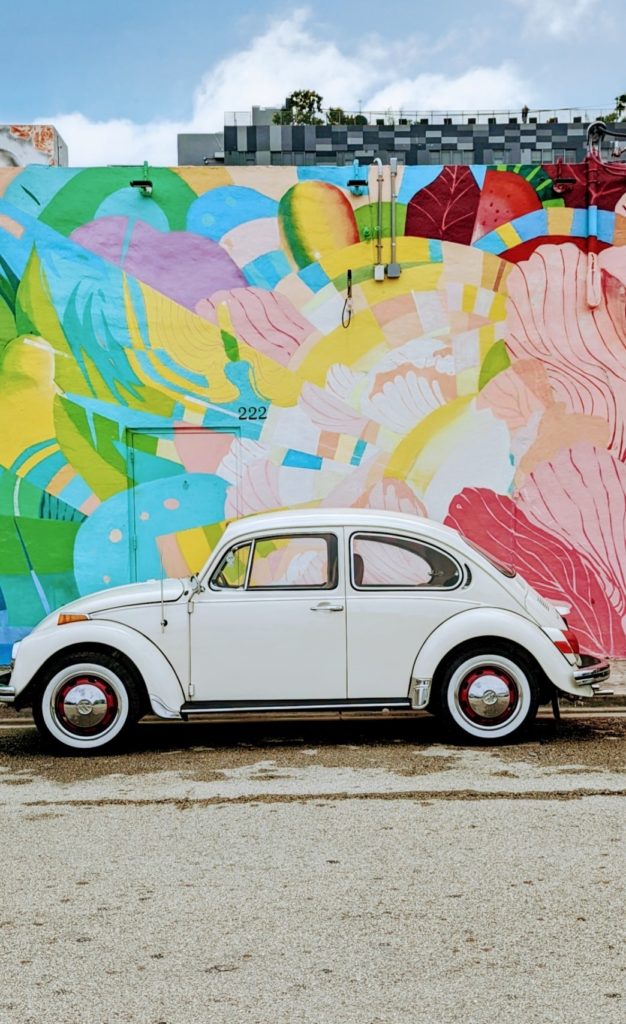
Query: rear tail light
569	644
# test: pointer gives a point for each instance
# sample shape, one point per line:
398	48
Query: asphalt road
315	872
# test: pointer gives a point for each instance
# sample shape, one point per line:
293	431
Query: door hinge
192	690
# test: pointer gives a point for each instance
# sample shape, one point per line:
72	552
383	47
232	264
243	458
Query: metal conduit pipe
393	269
379	218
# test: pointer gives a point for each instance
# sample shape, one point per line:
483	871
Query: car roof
327	518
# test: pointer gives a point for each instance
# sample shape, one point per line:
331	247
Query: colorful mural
22	144
172	361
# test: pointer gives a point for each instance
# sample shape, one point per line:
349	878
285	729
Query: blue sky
120	79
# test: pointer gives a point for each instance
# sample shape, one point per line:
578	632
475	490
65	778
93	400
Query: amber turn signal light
63	620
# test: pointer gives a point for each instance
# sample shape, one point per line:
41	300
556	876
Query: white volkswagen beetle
307	611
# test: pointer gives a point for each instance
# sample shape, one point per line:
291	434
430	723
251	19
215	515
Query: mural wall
172	361
22	144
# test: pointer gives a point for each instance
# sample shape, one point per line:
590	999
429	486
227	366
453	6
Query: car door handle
326	607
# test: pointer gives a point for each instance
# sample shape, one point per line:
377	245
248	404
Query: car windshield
506	570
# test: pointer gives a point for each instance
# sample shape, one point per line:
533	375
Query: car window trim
233	547
402	588
328	536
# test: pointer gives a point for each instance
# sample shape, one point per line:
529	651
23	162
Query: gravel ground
304	873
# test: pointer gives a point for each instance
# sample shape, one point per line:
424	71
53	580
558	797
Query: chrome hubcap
488	695
86	705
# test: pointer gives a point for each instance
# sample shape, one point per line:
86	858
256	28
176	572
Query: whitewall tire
86	701
488	694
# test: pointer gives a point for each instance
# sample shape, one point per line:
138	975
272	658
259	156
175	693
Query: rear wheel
488	693
86	701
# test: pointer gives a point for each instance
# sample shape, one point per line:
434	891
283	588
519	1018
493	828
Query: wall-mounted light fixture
143	184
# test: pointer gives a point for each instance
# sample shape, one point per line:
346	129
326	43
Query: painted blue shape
36	186
580	225
225	208
41	474
193	378
339	176
76	492
435	251
606	226
491	243
532	225
14	252
10	635
267	270
301	460
357	454
128	202
314	277
151	467
479	171
122	414
415	178
99	550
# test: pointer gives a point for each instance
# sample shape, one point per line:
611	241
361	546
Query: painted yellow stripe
468	300
487	337
560	220
403	458
203	179
194	547
408	250
417	279
509	235
340	346
498	308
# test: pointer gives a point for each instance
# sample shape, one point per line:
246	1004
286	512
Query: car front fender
164	688
476	623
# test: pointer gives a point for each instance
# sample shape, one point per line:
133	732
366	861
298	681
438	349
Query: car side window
400	562
294	562
231	572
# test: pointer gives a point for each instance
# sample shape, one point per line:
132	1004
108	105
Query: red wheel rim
86	705
488	696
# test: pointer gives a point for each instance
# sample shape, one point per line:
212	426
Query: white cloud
556	18
290	55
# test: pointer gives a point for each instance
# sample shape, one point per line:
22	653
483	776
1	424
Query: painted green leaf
496	360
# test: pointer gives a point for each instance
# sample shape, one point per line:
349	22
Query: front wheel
86	701
488	695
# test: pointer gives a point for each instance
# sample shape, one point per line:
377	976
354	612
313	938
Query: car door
399	590
271	621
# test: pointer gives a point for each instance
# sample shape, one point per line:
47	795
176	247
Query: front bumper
7	692
593	672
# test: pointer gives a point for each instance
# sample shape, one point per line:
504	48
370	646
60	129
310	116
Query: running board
272	707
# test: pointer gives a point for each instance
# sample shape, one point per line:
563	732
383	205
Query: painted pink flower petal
266	321
402	397
583	349
549	563
392	496
257	490
580	496
510	399
330	413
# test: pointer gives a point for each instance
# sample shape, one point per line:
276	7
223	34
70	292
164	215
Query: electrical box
379	272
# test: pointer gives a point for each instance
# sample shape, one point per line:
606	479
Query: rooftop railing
381	118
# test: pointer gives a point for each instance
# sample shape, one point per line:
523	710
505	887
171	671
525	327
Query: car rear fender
163	686
475	623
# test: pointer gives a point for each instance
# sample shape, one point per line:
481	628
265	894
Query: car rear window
400	563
